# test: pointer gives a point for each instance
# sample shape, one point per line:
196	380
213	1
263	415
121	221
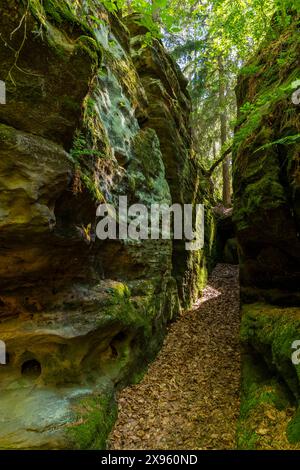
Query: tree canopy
211	40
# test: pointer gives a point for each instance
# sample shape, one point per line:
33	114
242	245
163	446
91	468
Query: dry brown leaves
189	398
270	425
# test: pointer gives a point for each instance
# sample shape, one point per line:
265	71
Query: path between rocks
189	398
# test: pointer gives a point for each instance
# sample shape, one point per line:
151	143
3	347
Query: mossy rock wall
266	214
266	176
92	113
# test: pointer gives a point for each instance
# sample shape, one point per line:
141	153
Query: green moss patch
95	417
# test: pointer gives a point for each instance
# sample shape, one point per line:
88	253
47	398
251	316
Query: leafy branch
288	140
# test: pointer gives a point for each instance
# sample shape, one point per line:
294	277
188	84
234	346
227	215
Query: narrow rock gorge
93	112
139	342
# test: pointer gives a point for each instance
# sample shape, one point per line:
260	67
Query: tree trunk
223	125
155	13
129	6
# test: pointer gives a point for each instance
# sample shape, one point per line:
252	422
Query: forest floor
189	397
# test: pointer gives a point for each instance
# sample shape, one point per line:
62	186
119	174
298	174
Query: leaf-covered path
189	398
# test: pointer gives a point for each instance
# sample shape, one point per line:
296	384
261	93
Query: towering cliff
267	217
94	111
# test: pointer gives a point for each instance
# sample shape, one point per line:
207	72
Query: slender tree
223	133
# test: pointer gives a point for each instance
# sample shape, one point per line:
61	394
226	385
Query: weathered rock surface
91	114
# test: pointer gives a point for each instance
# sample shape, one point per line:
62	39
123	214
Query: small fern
288	140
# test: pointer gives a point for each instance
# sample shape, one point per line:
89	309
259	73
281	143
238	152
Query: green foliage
80	154
79	148
204	32
211	33
250	70
110	5
252	114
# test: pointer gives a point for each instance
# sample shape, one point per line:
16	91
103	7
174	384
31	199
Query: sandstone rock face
92	114
266	177
266	213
